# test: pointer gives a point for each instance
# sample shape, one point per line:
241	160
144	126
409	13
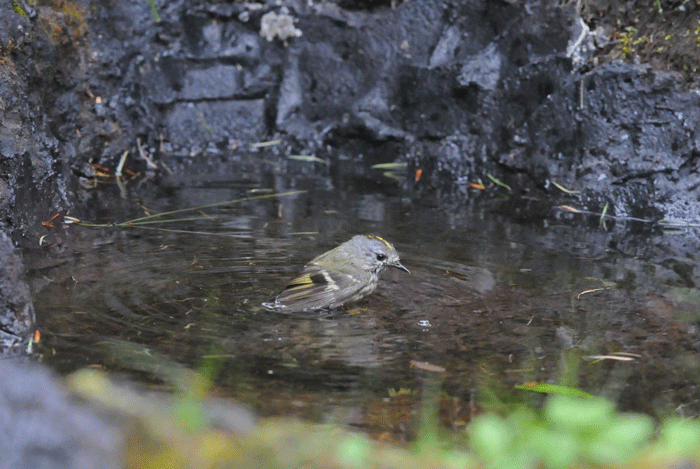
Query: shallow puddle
494	303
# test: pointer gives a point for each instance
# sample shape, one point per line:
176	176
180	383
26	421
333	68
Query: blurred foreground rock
43	426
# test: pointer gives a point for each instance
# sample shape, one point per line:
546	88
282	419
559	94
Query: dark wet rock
192	124
618	146
31	177
219	81
504	84
13	31
44	427
460	89
16	309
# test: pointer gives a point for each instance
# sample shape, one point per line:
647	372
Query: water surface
494	302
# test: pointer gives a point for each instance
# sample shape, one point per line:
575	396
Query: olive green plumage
343	274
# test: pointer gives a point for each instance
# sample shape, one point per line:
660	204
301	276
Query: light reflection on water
487	299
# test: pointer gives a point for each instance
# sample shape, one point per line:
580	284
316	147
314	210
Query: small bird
346	273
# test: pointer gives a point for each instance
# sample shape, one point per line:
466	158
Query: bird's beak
399	266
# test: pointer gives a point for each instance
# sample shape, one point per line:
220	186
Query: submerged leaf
389	166
564	189
497	182
307	158
547	388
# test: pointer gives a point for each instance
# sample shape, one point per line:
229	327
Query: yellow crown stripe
380	239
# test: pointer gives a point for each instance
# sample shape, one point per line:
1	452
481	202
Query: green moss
643	31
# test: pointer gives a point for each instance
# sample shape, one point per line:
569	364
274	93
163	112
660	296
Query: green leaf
354	451
491	437
557	450
564	189
307	158
547	388
497	182
621	439
583	417
268	143
389	166
680	437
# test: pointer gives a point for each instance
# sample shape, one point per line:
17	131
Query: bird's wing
316	288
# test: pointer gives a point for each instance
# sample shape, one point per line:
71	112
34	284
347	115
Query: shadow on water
494	302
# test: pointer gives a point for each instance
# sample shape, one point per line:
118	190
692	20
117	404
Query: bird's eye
381	257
